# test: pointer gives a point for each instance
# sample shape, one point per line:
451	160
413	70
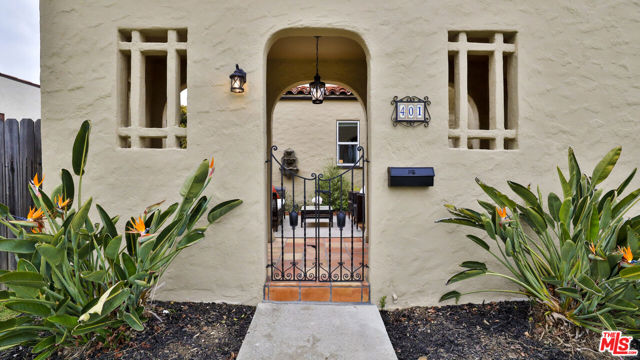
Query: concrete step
316	331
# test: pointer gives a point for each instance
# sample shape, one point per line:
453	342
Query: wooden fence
20	160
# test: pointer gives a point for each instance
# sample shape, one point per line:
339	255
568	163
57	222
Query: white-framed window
347	142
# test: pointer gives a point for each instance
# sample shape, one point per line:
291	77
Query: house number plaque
410	111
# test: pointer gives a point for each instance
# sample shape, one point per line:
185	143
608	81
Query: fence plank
3	199
38	147
12	157
3	181
26	166
20	160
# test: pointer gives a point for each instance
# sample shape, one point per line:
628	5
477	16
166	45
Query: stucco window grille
482	71
347	142
152	72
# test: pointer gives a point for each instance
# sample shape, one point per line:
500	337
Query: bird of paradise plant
76	281
627	255
138	227
563	254
34	214
61	203
503	217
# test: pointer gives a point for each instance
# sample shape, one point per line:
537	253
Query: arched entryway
317	247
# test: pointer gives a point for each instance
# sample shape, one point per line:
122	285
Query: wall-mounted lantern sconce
238	78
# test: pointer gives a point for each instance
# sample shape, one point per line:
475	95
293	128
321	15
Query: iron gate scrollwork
301	252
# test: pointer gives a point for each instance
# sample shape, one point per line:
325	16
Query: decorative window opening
347	142
482	70
183	116
152	73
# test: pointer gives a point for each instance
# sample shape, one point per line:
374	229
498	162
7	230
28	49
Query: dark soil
187	331
503	330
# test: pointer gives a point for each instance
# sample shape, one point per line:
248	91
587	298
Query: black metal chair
358	208
351	204
277	214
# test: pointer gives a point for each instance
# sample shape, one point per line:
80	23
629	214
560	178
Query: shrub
575	255
335	187
382	302
77	280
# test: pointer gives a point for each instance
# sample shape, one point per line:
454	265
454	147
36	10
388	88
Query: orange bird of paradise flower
37	182
138	227
504	218
592	247
626	254
34	214
60	202
211	167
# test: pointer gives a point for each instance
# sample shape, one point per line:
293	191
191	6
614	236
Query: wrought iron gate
300	248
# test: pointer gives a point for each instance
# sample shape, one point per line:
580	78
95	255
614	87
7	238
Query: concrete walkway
312	331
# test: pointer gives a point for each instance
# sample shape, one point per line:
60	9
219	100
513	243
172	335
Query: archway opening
317	168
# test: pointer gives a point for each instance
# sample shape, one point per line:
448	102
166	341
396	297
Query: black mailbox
410	176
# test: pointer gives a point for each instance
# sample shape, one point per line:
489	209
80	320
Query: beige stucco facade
578	70
19	99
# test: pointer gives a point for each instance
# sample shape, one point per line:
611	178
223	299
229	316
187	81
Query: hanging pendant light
316	88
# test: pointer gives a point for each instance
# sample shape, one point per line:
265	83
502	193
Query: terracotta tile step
348	292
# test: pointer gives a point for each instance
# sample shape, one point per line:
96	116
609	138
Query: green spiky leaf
81	148
604	167
450	295
222	209
478	241
467	274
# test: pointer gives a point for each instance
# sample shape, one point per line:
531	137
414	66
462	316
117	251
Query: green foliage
77	280
566	255
81	148
183	116
183	124
339	187
382	303
5	313
289	204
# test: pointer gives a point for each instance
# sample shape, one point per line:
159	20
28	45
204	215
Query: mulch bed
502	330
187	331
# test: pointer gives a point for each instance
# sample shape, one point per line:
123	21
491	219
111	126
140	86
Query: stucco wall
19	100
310	130
578	71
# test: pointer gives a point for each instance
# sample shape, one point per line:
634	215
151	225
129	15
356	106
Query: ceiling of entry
304	48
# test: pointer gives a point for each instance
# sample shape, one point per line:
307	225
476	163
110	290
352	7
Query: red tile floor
336	260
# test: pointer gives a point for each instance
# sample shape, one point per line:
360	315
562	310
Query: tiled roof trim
331	90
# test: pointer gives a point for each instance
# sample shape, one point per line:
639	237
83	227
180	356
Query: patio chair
277	207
